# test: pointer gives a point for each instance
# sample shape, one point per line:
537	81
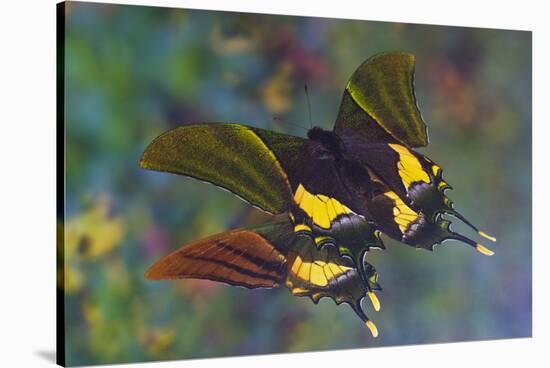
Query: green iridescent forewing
379	104
231	156
261	166
307	164
379	122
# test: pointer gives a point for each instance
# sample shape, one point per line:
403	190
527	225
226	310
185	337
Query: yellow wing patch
320	208
319	240
409	167
436	170
301	227
442	185
318	273
403	215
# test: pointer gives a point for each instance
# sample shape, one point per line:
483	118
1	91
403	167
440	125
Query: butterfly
340	190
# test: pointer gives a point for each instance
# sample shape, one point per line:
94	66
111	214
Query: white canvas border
27	317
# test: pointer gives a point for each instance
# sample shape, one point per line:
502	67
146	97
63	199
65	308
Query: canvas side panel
60	183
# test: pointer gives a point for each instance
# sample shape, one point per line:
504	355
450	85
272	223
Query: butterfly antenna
281	121
308	106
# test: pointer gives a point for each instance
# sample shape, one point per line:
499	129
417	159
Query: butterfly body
420	198
341	189
328	140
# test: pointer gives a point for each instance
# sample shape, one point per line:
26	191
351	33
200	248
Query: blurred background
135	72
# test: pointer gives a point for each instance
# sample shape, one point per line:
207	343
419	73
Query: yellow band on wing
403	215
320	208
409	167
316	272
302	227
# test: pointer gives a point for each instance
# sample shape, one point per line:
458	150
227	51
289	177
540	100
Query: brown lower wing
238	257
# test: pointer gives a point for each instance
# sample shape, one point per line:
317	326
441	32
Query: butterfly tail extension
459	216
370	276
368	323
449	234
322	272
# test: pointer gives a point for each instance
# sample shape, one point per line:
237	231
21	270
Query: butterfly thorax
328	140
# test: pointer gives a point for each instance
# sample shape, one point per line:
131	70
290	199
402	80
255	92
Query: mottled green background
134	72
